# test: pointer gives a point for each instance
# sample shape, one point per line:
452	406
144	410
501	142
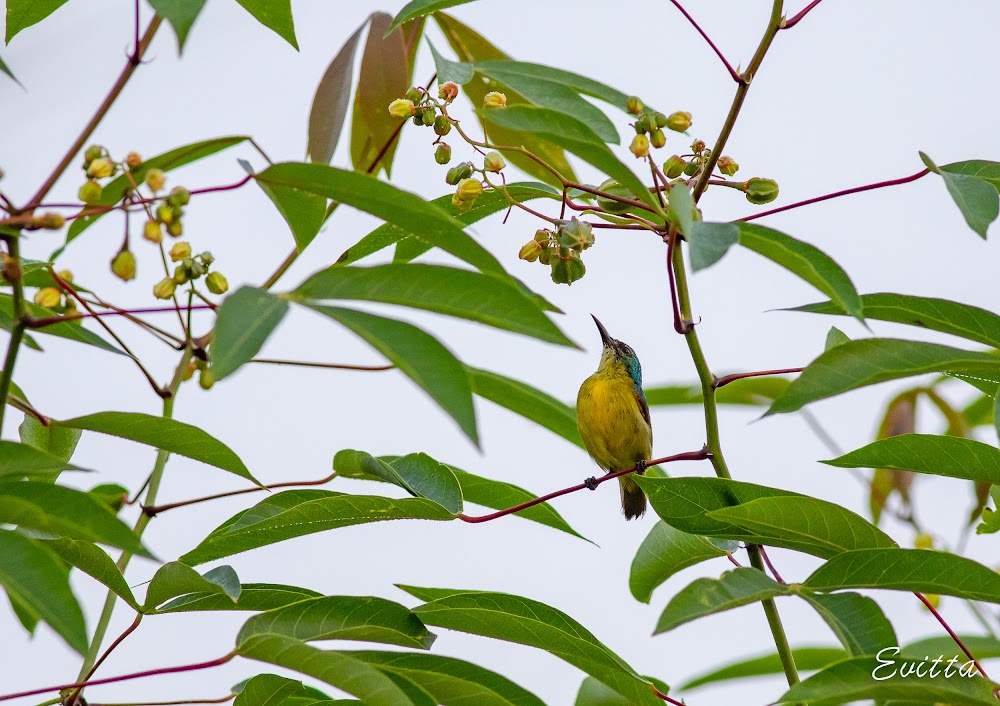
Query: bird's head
618	353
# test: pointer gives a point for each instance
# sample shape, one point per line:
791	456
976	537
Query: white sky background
845	98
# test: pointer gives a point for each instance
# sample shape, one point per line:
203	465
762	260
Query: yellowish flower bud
657	139
679	121
530	251
93	152
133	160
727	166
469	189
674	167
634	105
448	91
216	283
164	214
65	275
640	146
923	541
156	179
90	192
153	232
50	221
48	297
698	146
164	289
206	379
180	251
494	162
179	196
442	155
495	99
100	168
402	108
175	229
123	265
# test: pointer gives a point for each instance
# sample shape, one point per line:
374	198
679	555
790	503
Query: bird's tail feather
633	499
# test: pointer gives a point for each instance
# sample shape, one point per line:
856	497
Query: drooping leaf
70	330
486	298
25	13
65	512
18	460
10	74
706	596
32	573
114	191
177	579
334	668
384	77
181	14
165	434
853	680
93	561
24	613
509	72
393	205
873	360
527	622
421	8
807	659
275	15
245	320
329	106
418	474
272	690
908	570
453	71
252	596
750	392
667	550
856	620
681	209
296	513
305	212
977	198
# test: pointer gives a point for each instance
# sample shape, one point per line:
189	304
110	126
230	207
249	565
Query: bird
613	418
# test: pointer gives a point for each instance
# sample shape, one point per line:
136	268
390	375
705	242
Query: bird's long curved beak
605	336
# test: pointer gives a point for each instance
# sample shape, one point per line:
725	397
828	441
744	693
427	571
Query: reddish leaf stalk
686	456
837	194
153	510
726	379
788	24
49	320
767	560
956	638
119	640
666	698
732	72
124	677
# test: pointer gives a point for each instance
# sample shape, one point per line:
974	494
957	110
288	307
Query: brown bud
448	91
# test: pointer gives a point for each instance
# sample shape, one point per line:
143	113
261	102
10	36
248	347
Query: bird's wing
640	397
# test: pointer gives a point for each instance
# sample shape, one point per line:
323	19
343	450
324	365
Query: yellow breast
611	422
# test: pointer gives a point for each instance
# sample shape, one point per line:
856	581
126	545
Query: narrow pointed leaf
507	72
976	198
908	570
488	299
329	106
337	669
709	242
527	622
295	513
418	474
873	360
420	356
703	597
453	71
6	70
32	573
527	401
393	205
165	434
53	439
304	212
177	579
18	460
362	618
252	596
95	562
181	14
421	8
245	320
856	620
951	456
275	15
595	693
943	315
807	659
749	392
853	680
667	550
25	13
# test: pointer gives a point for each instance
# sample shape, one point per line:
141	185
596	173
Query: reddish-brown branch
837	194
733	560
680	325
124	677
956	638
788	24
732	72
767	560
330	366
153	510
49	320
119	640
183	702
590	483
666	698
726	379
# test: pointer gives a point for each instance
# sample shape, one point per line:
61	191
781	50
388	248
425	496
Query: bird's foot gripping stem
591	483
640	468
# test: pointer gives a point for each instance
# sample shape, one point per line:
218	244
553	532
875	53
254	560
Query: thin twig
767	560
182	702
726	379
153	510
955	637
732	72
332	366
788	24
119	640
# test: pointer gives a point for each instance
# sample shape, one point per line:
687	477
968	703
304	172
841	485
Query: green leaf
853	680
420	356
950	456
856	620
421	8
418	474
470	46
245	320
979	168
393	205
252	596
943	315
834	338
32	573
664	552
806	659
25	614
983	646
705	596
816	526
275	15
908	570
976	198
70	330
681	209
19	460
53	439
527	401
489	203
296	513
337	669
24	13
177	579
362	618
486	298
6	69
447	70
304	212
710	241
272	690
329	106
449	680
873	360
165	434
181	14
95	562
385	76
114	191
65	512
573	136
509	72
527	622
750	392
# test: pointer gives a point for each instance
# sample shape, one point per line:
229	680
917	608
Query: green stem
16	331
774	621
140	525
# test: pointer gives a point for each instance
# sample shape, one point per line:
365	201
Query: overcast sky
846	98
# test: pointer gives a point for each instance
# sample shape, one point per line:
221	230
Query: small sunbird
613	418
